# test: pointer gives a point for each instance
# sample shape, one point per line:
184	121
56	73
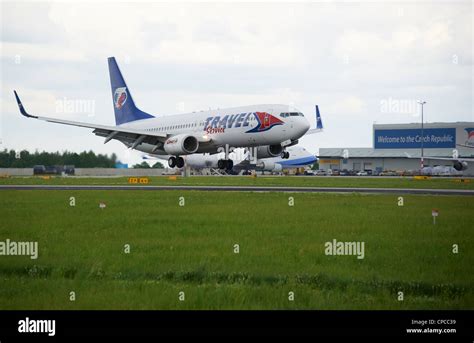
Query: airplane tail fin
124	107
319	122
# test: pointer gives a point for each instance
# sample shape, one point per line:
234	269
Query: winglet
21	107
319	122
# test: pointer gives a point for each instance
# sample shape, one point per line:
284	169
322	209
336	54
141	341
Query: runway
242	189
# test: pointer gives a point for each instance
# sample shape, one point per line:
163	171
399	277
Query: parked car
320	172
377	172
388	173
309	172
362	173
39	170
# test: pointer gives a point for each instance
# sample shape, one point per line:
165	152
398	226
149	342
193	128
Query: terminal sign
412	138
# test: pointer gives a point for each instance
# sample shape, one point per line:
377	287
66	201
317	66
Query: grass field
190	248
294	181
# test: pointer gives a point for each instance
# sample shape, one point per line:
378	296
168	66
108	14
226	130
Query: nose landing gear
285	155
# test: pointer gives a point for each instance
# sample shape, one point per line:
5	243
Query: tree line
85	159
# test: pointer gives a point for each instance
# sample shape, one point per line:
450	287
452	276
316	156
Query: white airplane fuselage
246	126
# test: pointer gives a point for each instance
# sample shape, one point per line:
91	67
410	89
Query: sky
361	62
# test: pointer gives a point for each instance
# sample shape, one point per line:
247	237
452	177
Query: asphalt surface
243	189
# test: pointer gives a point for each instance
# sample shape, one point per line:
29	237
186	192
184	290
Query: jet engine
182	144
460	165
267	151
269	166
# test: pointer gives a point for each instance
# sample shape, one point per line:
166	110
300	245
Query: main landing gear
285	155
177	162
225	164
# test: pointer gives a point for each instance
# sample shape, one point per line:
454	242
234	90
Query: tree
141	165
158	165
8	159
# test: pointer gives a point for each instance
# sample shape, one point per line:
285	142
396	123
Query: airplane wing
441	158
319	124
129	135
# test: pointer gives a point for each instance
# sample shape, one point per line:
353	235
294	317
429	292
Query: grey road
243	189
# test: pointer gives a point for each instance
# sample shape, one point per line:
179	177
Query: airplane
459	163
271	128
201	161
299	157
440	171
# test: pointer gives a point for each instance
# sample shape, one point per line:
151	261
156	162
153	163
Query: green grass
294	181
190	249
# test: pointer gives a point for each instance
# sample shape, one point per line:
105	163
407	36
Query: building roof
377	126
380	153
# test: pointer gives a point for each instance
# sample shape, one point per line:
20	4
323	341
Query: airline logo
120	97
470	136
265	121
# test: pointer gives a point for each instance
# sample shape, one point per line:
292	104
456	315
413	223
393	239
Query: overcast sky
362	62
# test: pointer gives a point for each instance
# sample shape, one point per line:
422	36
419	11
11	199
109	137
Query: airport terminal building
397	147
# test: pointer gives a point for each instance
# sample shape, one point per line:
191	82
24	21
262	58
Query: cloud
346	57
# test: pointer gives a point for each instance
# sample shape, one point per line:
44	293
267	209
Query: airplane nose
301	126
304	125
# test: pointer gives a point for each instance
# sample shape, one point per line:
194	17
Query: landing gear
225	164
176	162
179	162
285	155
172	162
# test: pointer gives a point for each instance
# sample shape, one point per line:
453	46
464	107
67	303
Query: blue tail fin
124	107
319	122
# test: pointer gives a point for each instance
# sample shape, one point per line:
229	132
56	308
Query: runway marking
243	189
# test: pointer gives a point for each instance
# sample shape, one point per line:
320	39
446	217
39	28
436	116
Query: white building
393	144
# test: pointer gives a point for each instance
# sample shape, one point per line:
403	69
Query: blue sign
411	138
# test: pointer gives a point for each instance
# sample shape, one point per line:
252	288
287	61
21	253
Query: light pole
422	133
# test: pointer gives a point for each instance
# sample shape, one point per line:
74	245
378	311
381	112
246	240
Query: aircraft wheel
179	162
172	162
221	164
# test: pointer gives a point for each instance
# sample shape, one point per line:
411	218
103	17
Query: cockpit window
291	114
